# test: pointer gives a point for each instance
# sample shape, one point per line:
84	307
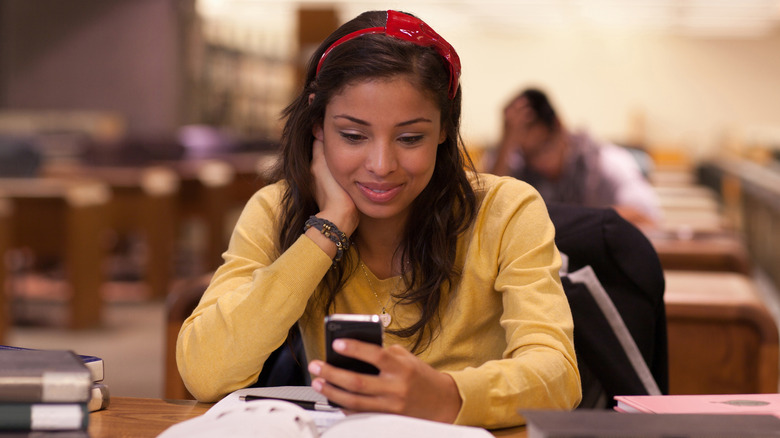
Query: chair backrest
19	158
615	285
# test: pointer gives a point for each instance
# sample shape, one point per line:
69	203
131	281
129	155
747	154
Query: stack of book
48	390
99	396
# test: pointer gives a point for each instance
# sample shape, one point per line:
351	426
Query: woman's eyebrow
363	122
413	121
351	119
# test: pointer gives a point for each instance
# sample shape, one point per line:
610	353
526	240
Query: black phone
366	328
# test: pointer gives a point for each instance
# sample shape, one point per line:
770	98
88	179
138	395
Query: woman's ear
442	136
316	131
311	98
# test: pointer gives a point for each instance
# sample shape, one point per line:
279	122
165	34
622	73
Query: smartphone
366	328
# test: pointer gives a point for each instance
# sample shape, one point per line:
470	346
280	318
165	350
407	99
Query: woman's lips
379	193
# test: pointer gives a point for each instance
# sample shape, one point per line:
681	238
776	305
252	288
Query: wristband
331	231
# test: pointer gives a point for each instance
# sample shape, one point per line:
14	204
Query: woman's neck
378	242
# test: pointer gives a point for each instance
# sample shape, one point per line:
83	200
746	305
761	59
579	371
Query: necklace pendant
385	318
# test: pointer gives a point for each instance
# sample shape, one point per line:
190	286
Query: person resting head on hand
571	167
376	209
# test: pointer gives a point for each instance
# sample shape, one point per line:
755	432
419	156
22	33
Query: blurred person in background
571	167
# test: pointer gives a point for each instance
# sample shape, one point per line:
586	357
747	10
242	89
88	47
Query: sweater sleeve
252	301
538	367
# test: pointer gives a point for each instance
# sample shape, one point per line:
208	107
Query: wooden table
141	417
722	338
148	417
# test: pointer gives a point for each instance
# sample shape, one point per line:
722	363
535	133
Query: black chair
19	157
615	285
286	366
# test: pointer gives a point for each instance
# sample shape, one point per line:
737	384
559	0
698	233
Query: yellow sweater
506	336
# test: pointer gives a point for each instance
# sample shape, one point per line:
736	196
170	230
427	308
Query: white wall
669	91
689	92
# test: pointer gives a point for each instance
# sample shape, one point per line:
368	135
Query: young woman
374	213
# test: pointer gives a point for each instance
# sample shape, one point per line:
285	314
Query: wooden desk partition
65	219
252	171
182	300
205	196
6	210
144	201
149	204
702	252
722	338
212	189
752	191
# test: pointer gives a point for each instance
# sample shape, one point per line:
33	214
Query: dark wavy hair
541	106
444	209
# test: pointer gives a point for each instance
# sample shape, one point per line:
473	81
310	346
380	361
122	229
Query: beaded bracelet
331	231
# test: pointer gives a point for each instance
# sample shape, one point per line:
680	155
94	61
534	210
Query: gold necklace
384	316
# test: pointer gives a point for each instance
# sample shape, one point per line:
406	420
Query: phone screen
366	328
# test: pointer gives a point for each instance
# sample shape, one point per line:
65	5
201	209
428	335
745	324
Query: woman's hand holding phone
405	384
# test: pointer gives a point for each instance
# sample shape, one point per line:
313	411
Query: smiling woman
377	208
380	140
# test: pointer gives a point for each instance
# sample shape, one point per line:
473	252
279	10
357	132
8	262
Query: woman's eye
352	138
411	139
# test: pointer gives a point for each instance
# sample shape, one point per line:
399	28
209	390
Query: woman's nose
381	159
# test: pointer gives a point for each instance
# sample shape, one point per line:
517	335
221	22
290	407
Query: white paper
322	419
56	416
236	418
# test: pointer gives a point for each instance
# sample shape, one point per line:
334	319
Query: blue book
93	363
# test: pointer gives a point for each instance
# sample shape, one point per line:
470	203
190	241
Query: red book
701	404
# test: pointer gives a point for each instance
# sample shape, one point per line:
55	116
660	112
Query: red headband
408	28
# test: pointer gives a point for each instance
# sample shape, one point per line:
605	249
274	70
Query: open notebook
234	417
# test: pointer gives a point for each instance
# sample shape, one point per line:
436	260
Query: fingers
365	351
352	390
347	379
519	112
405	385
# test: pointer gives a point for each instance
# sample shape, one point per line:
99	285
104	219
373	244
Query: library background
132	132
